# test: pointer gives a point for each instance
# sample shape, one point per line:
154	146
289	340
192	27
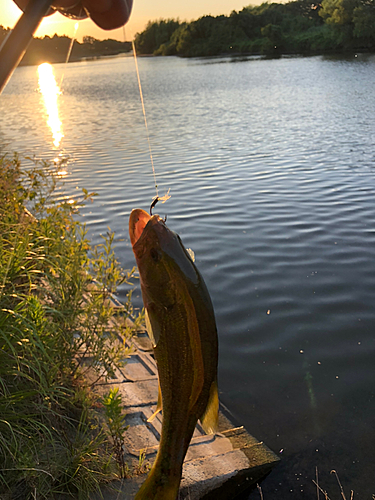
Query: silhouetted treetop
298	26
55	49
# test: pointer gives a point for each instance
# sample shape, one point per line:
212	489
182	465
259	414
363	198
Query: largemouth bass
181	324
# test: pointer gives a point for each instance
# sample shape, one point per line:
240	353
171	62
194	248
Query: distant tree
208	36
306	8
364	22
295	26
269	13
155	34
182	39
55	49
338	12
90	40
3	32
246	21
339	15
273	32
273	42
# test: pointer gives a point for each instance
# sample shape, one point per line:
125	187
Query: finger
71	6
76	11
98	6
65	4
109	14
22	4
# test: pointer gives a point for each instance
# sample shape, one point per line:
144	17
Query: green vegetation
55	49
294	27
298	26
58	330
115	420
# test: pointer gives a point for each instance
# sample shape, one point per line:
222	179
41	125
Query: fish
181	324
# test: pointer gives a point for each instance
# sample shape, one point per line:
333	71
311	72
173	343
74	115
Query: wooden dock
218	466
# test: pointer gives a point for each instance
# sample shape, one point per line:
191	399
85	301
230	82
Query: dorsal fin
191	254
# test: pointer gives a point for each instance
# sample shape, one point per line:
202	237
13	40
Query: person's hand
107	14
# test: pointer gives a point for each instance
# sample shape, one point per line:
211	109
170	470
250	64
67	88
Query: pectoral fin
210	417
191	254
159	405
153	328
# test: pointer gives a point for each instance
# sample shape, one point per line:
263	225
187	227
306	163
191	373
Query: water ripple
271	169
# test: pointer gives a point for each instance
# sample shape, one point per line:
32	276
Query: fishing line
144	116
157	198
74	38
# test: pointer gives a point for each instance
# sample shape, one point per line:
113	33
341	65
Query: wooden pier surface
218	466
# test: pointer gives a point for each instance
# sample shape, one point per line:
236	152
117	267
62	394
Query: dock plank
217	467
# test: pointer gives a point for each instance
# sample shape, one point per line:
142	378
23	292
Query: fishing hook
154	202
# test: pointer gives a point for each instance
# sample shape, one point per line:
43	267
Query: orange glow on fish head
137	222
147	235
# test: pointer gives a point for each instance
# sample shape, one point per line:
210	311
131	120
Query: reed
56	325
320	490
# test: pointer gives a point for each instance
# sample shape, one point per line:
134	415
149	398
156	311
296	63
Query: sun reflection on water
50	92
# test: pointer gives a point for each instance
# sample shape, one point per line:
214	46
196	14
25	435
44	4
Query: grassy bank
54	326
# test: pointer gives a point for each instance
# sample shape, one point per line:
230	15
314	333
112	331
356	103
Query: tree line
298	26
55	49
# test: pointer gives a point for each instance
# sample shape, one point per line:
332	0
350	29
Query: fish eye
154	254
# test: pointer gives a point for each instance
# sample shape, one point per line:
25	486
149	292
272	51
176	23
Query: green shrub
112	402
58	330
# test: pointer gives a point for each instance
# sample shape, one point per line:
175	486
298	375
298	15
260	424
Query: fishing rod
16	43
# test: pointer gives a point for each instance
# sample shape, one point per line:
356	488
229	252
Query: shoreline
235	56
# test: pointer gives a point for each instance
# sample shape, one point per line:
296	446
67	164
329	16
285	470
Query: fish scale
184	334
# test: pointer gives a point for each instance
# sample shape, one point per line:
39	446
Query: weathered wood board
218	466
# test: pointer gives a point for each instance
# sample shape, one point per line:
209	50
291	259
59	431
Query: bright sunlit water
50	92
271	166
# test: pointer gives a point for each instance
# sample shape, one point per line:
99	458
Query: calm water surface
271	166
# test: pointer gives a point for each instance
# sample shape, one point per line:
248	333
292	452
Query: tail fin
159	487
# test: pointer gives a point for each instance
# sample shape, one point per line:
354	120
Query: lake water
271	167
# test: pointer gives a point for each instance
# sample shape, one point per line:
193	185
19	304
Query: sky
143	11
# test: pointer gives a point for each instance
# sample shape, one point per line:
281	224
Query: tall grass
56	322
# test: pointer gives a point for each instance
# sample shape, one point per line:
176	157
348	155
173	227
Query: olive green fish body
183	329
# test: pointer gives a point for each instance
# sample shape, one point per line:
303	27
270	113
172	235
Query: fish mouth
137	222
